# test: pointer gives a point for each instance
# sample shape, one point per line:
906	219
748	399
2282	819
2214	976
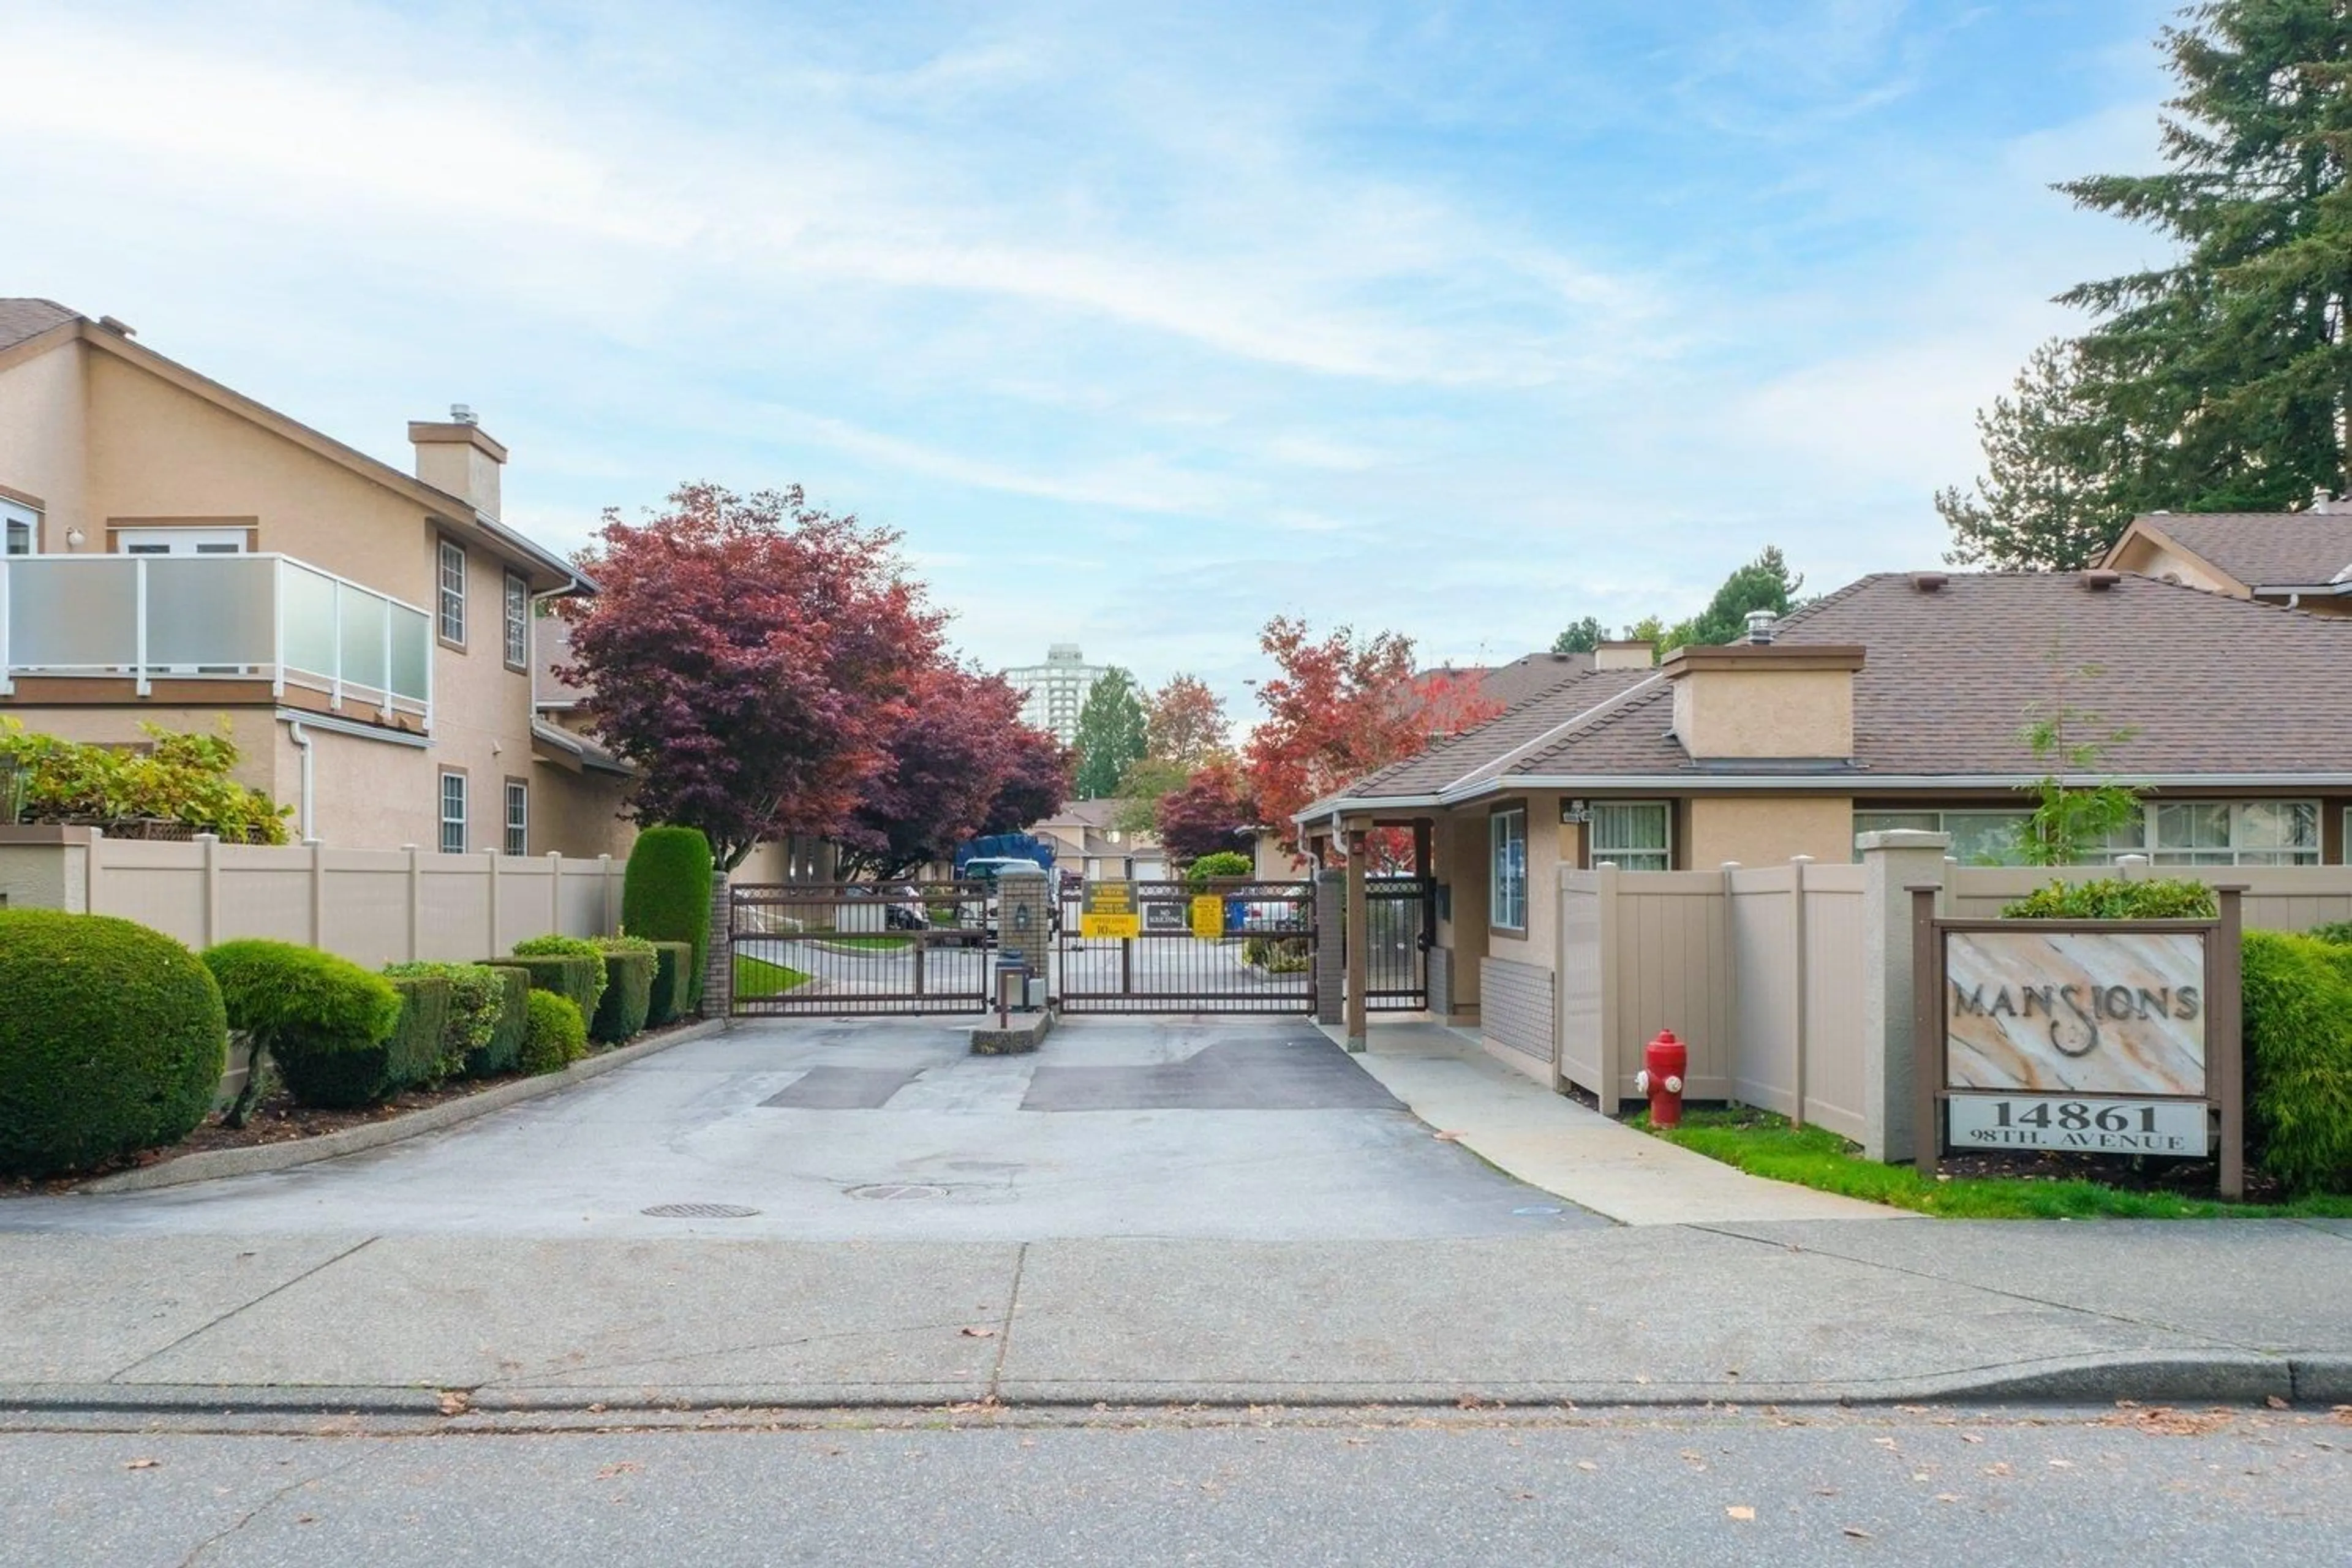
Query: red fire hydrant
1664	1062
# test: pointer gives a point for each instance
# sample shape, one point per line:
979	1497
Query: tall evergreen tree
1764	583
2052	492
1111	733
2221	379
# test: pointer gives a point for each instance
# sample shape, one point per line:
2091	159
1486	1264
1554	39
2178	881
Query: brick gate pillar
1330	956
719	957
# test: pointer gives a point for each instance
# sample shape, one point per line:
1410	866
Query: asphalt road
1895	1487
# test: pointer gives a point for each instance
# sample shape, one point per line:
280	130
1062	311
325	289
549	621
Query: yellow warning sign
1209	917
1108	909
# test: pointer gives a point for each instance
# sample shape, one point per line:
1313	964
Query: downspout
300	738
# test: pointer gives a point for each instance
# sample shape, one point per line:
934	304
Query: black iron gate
1225	946
858	947
1401	921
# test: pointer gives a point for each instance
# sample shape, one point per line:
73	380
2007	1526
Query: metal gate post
1330	956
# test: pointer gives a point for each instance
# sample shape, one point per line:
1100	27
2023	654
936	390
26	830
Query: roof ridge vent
2099	582
1930	582
1761	626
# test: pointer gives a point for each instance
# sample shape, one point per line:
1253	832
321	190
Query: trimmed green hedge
503	1052
673	984
2112	899
1220	863
2298	1036
306	1010
477	998
629	992
554	1036
568	975
666	895
113	1039
553	946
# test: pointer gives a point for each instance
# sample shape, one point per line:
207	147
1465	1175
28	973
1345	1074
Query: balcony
194	629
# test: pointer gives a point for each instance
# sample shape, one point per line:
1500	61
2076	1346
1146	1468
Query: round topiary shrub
113	1039
666	895
319	1018
555	1035
1223	863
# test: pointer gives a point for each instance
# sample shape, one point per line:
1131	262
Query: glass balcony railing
194	617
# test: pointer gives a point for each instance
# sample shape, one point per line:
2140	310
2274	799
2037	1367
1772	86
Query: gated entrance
1175	947
1401	919
865	948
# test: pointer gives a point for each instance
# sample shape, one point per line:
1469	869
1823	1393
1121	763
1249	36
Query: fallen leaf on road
1948	1496
1471	1402
2062	1464
1740	1511
1858	1533
1999	1468
1447	1137
618	1468
2275	1401
454	1403
141	1464
1825	1491
979	1334
1971	1438
306	1519
1586	1464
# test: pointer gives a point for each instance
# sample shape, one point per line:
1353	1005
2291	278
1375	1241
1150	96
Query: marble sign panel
2079	1012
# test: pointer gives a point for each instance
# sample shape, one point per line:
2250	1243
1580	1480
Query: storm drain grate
891	1190
700	1211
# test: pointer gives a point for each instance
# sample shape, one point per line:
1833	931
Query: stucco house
1897	701
2299	558
180	553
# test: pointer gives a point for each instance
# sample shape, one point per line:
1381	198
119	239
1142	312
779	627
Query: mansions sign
2072	1011
2096	1037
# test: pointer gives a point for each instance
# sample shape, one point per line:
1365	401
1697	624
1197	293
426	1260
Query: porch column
1358	937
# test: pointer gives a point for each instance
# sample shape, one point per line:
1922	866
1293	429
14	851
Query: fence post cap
1901	838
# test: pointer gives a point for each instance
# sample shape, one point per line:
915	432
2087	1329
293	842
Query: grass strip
1764	1144
758	977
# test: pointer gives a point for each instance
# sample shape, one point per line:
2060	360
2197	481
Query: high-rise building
1053	692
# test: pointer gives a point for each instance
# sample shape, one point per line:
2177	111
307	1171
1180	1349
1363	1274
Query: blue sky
1143	322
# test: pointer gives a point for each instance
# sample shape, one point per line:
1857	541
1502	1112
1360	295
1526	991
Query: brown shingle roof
2262	547
23	319
2207	685
1530	675
1481	746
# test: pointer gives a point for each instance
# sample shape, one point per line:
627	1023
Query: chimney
1625	656
456	457
1767	700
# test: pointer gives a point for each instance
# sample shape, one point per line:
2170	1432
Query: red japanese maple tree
955	762
1341	707
1210	811
752	656
1040	774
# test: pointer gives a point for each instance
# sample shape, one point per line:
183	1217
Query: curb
2232	1378
214	1164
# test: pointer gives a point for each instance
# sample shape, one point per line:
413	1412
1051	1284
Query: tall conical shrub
666	895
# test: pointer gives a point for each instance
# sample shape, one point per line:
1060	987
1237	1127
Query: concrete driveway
1240	1128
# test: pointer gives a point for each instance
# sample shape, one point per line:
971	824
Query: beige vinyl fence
1757	969
373	906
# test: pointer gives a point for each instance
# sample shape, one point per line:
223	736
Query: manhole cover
888	1190
700	1211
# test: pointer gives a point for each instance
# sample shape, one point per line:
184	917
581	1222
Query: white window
453	592
453	814
2222	833
1507	891
22	526
1635	835
518	817
518	622
1979	838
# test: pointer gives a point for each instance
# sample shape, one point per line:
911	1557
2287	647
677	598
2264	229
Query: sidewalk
1551	1141
1788	1312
